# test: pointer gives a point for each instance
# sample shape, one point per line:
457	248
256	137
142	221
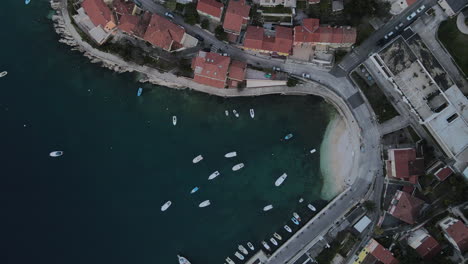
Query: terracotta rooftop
410	2
404	165
128	23
237	14
162	32
211	69
210	7
237	70
405	207
443	173
311	32
459	233
281	43
381	253
98	12
429	248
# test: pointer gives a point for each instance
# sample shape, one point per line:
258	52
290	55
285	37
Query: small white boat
252	113
250	245
313	151
265	245
226	112
301	200
297	216
273	241
3	74
238	167
280	180
277	236
174	120
183	260
311	207
165	206
55	154
230	154
239	255
235	113
287	228
294	220
194	190
242	249
229	261
213	175
204	203
197	159
268	207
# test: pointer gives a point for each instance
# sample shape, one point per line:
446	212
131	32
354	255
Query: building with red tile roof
402	164
443	173
164	34
426	246
237	16
455	232
380	253
236	74
99	13
311	33
210	8
405	207
280	44
211	69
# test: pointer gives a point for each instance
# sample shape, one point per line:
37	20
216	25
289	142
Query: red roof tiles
128	23
429	247
237	70
163	33
236	16
311	32
443	173
381	253
211	69
404	165
405	207
210	7
459	233
98	12
257	40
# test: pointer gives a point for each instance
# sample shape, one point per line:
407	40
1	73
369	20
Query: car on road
399	26
225	54
388	35
169	15
421	8
305	75
276	68
200	38
411	16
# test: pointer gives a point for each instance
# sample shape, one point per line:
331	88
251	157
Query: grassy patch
455	42
279	9
382	107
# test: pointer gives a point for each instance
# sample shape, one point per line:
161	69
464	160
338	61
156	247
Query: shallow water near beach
100	202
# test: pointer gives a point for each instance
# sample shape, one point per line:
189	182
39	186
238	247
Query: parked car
200	38
225	54
411	16
169	15
276	68
421	8
399	26
388	35
305	75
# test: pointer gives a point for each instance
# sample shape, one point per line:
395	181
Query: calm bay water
100	202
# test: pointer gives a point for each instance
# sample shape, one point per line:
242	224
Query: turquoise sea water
100	202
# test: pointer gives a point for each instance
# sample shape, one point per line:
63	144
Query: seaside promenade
338	91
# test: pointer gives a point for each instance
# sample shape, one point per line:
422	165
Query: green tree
378	230
205	24
369	206
292	82
220	34
190	14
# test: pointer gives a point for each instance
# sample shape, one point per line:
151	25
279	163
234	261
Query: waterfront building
95	18
421	241
279	44
211	9
403	164
285	3
236	17
455	232
405	207
374	252
311	33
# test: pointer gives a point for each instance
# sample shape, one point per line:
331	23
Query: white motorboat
313	151
194	190
297	216
265	245
55	154
239	255
197	159
230	154
311	207
235	113
229	261
213	175
277	236
238	167
301	200
287	228
294	219
166	205
273	241
174	120
226	112
242	249
250	245
3	74
204	203
183	260
268	207
252	113
280	180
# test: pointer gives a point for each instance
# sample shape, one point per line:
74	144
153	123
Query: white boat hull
252	113
311	207
197	159
243	250
204	204
238	167
230	154
183	260
55	154
250	245
281	179
239	255
165	206
213	175
287	228
273	241
268	207
174	120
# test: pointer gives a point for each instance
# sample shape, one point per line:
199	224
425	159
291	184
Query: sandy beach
337	153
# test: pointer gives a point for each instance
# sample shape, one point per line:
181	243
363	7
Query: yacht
55	154
288	136
213	175
183	260
226	112
265	245
250	245
204	203
239	255
294	220
194	190
301	200
273	241
3	74
311	207
140	91
277	236
242	249
229	261
252	113
238	167
166	205
280	180
197	159
174	120
268	207
235	113
313	151
287	228
297	216
230	154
